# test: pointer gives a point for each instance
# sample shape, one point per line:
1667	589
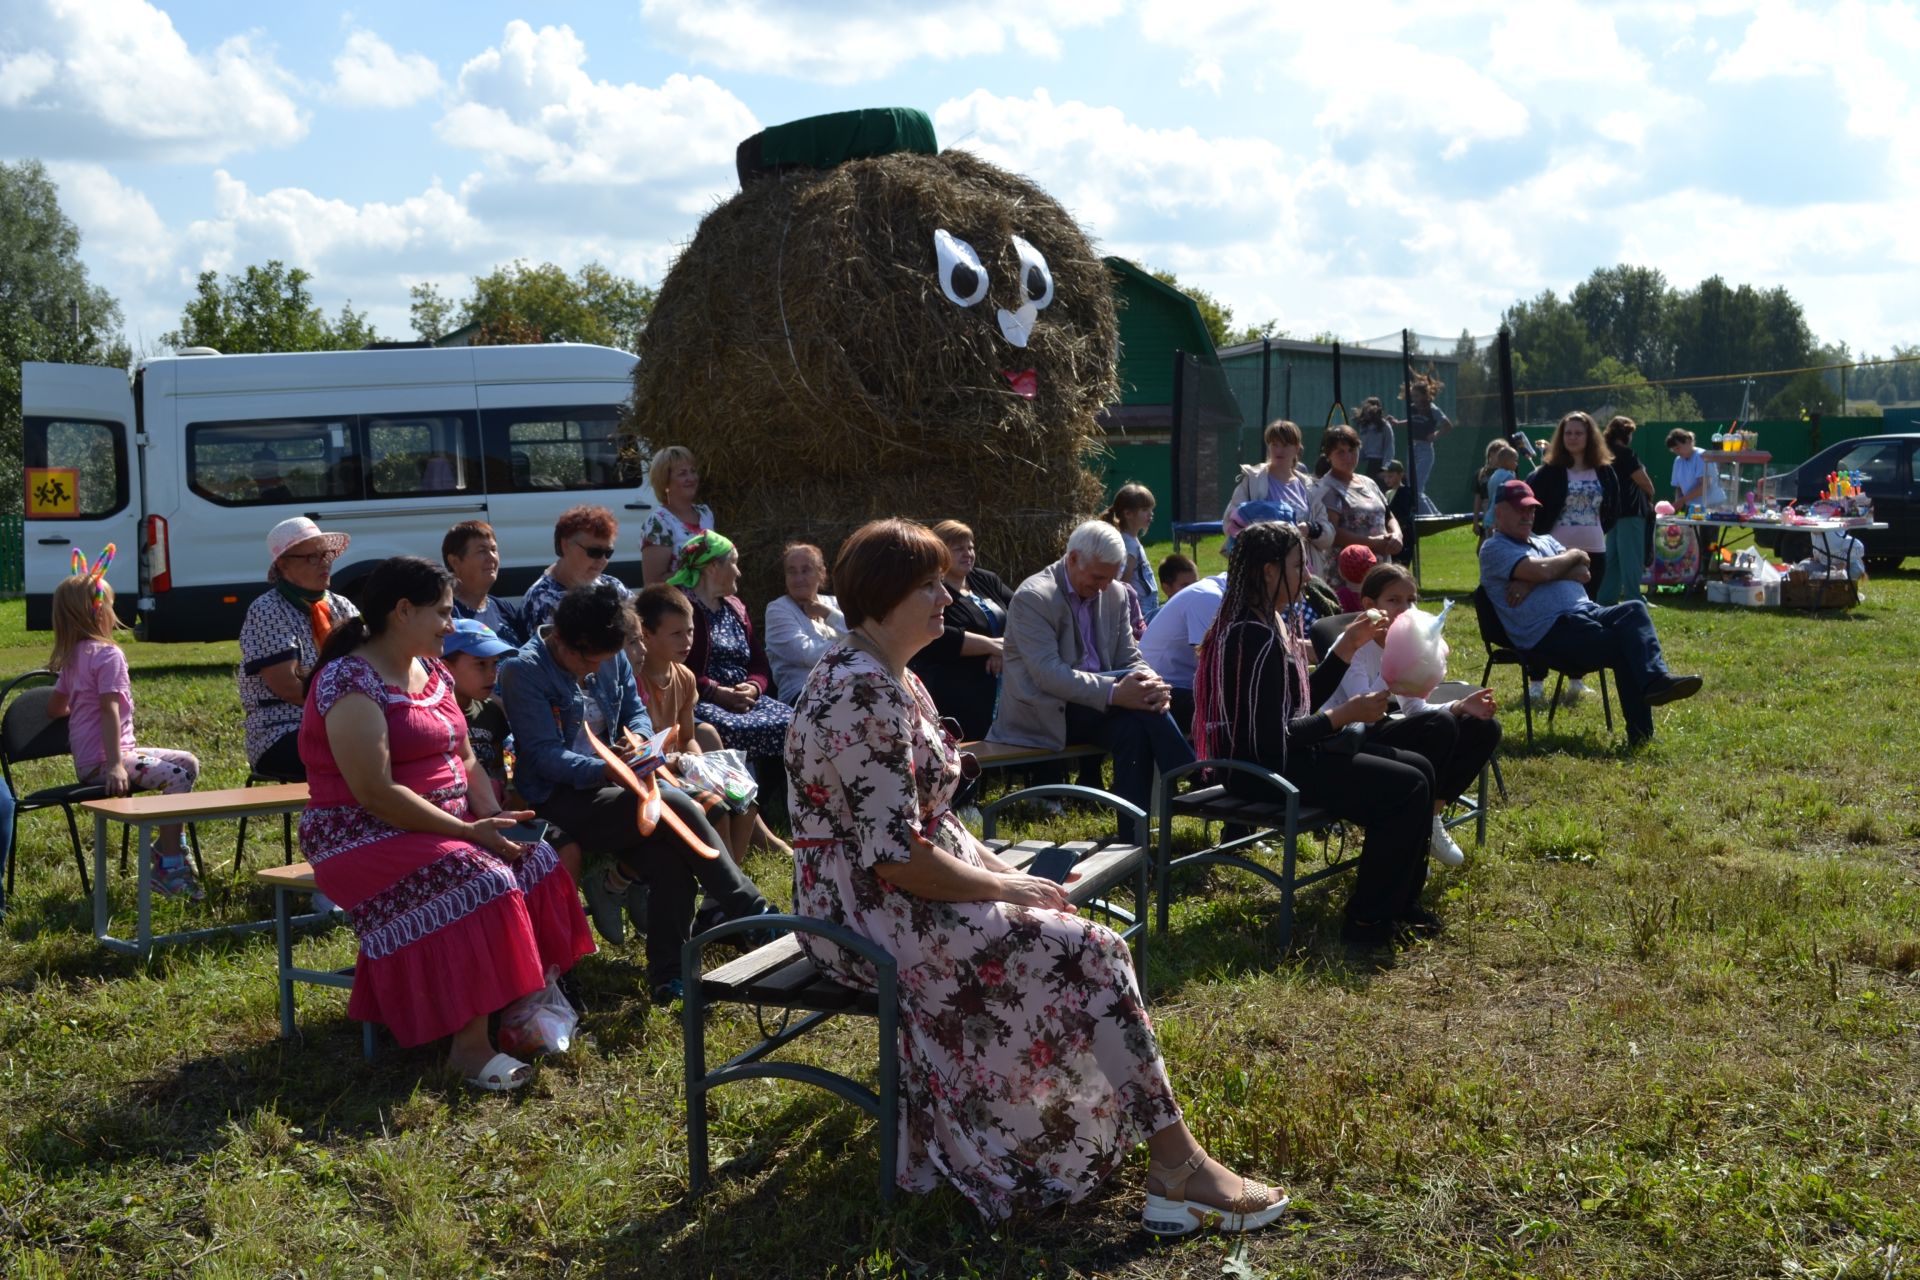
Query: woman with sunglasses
280	642
583	543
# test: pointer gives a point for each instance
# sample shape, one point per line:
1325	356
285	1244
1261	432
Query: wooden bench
146	812
297	877
1008	755
780	975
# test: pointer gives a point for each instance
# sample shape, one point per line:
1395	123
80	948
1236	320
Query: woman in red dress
455	921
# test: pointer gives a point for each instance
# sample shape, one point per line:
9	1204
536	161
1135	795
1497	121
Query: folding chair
27	733
1501	651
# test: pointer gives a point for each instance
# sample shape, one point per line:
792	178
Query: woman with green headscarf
727	659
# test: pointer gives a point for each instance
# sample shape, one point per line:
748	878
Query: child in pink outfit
95	692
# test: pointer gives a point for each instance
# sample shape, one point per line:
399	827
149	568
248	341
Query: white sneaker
1575	689
1536	693
1449	853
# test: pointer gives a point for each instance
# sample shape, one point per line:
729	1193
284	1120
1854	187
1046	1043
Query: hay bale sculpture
873	327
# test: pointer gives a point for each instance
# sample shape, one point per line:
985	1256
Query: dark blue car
1888	464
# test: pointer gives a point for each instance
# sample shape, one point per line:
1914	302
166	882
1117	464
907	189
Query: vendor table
1851	524
146	812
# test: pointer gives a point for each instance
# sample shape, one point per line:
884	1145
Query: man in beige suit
1073	672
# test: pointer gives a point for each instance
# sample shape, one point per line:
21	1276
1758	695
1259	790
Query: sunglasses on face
595	553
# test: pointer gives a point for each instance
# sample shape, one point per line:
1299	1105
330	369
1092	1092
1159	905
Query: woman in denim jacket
571	676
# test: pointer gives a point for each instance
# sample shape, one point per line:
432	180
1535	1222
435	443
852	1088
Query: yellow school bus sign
53	493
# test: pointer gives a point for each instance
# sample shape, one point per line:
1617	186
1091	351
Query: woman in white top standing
1281	480
1351	508
675	478
802	624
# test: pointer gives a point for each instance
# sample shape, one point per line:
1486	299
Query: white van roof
420	366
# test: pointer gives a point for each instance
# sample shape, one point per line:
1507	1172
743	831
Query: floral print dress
760	730
1028	1066
665	529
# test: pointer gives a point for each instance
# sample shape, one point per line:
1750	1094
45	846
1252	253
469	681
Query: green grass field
1671	1030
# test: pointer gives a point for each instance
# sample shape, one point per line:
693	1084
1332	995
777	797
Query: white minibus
186	468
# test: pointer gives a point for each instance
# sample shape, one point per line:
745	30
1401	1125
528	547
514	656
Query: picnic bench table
780	975
144	813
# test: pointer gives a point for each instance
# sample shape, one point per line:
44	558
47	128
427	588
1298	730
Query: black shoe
1420	922
1366	935
670	992
1669	688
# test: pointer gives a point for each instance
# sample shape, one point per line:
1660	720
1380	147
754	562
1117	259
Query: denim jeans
1619	637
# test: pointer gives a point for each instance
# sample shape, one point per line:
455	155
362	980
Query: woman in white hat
281	638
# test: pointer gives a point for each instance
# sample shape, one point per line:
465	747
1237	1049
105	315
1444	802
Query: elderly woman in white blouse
802	624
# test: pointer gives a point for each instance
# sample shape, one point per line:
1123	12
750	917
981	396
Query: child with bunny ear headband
95	692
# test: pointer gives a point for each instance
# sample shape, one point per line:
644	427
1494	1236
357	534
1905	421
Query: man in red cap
1535	586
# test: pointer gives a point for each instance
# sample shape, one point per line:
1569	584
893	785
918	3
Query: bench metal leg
283	943
693	1033
887	1122
366	1041
1288	856
1480	818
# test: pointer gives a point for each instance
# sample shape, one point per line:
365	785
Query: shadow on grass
191	1107
805	1186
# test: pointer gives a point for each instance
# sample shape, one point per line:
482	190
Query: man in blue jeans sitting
1537	588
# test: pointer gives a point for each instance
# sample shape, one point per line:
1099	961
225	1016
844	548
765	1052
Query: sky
1354	168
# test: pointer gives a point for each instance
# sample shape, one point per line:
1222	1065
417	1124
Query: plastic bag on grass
542	1022
1416	658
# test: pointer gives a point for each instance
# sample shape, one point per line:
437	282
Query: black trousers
282	759
603	822
1387	790
1458	747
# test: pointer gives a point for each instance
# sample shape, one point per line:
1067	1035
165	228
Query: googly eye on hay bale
873	327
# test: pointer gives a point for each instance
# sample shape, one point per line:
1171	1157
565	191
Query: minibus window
95	452
260	463
421	454
549	449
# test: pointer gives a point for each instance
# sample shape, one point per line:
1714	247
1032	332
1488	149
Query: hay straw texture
802	347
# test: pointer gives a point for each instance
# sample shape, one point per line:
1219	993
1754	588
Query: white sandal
1172	1214
502	1074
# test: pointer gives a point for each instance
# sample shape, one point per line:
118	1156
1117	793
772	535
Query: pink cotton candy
1415	661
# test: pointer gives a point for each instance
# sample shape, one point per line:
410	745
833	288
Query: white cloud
862	39
323	234
116	222
113	77
528	103
1106	169
368	73
1203	71
1560	41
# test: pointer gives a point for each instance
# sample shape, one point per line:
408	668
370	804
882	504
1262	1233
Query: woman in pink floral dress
1029	1068
455	921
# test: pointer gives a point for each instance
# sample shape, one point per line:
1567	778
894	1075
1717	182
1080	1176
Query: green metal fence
13	556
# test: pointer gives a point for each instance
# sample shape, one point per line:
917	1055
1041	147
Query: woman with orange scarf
280	642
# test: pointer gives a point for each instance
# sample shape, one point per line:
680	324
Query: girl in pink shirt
95	693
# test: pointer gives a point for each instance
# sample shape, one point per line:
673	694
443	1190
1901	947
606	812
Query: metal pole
1286	403
1503	356
1338	398
1266	383
1413	459
1182	512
